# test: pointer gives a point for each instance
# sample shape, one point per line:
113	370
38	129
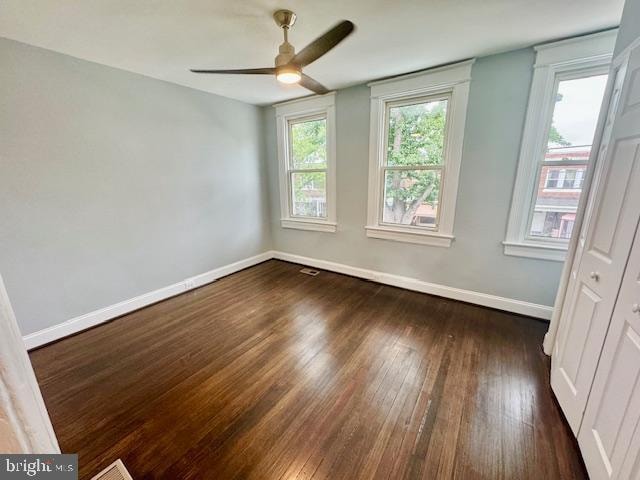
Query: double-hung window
413	161
306	154
567	91
417	127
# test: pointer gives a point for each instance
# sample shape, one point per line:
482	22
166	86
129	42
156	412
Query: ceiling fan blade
310	84
249	71
323	44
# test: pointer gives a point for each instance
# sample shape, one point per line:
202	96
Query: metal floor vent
115	471
309	271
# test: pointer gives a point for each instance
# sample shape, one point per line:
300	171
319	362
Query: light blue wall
496	111
113	184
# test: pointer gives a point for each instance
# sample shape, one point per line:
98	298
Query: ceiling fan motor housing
285	20
287	52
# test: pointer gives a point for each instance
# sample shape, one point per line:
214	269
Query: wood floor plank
272	374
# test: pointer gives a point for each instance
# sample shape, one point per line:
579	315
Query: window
568	88
573	125
570	179
307	171
553	176
413	161
417	126
306	152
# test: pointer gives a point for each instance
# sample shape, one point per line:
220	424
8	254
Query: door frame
20	397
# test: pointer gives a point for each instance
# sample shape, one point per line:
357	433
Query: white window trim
553	60
452	80
296	109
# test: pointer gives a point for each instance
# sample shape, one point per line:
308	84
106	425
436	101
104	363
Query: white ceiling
164	38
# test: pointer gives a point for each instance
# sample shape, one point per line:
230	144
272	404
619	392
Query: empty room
320	240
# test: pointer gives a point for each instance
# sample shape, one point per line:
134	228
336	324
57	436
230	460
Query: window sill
307	224
556	253
434	239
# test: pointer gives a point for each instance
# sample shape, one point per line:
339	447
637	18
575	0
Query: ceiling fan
288	63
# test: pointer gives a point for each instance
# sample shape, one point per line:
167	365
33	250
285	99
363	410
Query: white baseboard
484	299
97	317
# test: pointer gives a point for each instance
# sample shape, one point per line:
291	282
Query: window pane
416	133
553	175
569	178
573	125
552	223
411	197
309	192
309	144
575	115
556	201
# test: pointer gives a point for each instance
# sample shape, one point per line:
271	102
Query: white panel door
609	436
606	244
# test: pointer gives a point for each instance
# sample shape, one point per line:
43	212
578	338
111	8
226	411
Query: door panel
611	208
633	93
609	435
605	245
585	310
618	394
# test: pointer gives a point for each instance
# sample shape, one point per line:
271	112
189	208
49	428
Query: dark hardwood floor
273	374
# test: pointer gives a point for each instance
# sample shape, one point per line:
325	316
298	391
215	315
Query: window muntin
577	98
413	163
307	167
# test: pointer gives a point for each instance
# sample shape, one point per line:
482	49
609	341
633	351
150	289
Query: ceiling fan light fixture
288	64
288	75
